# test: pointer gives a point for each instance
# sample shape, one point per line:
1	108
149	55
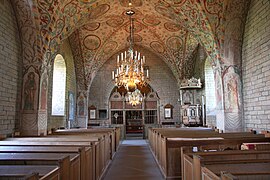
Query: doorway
134	123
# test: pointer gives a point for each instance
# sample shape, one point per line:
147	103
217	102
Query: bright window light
59	86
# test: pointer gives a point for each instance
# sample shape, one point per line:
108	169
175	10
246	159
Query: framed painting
92	112
168	111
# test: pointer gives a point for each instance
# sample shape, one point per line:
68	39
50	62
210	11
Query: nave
133	160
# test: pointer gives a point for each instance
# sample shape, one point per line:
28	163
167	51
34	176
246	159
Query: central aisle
133	160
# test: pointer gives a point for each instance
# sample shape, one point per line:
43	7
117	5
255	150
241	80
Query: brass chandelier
134	98
130	71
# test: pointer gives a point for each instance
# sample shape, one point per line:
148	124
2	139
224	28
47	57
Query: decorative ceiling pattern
28	33
170	28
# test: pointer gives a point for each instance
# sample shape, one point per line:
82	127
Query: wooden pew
111	135
256	146
168	143
86	155
102	155
250	171
69	166
105	141
111	141
192	161
158	134
106	147
114	134
29	172
64	143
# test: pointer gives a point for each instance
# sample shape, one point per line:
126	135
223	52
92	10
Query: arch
78	14
29	32
59	86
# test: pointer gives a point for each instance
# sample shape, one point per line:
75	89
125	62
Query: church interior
188	79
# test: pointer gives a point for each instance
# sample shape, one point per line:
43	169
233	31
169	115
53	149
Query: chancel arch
162	81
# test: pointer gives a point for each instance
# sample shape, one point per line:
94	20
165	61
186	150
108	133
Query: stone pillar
34	114
219	98
228	97
232	99
29	111
231	75
228	73
43	103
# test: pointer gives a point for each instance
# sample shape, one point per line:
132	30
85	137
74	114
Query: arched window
59	86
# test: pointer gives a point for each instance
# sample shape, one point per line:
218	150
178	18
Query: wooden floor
133	160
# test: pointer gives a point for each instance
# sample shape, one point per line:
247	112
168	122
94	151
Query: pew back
29	172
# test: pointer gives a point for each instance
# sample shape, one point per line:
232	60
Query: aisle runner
133	161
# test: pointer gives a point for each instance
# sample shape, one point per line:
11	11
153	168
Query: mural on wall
59	19
30	91
91	26
232	86
151	20
91	42
172	27
110	46
78	63
43	94
81	105
187	97
71	105
202	18
115	21
100	10
156	46
218	88
28	31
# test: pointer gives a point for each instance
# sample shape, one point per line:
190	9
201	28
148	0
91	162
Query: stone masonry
10	71
60	121
161	80
256	66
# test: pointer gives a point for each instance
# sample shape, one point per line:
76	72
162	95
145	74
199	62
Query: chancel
134	89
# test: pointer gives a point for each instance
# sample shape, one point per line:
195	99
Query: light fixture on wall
134	98
130	65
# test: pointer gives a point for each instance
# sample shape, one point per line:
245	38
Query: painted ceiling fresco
98	29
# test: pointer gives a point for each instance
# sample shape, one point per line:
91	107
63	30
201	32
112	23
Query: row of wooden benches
231	164
166	144
77	154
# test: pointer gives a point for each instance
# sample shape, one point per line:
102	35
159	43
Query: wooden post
197	167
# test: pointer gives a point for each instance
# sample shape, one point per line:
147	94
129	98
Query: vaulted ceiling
97	29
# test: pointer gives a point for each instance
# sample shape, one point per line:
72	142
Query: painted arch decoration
55	20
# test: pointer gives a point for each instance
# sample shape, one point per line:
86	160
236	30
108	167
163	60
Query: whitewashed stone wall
256	66
10	69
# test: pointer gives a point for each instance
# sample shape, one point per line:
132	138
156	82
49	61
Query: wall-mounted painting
168	111
92	112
